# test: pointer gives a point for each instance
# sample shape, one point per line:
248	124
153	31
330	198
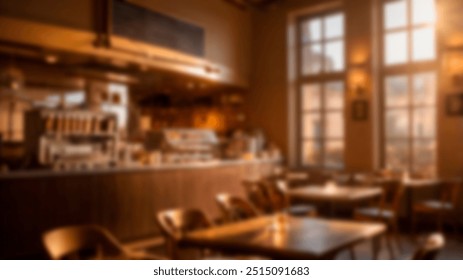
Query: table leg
409	208
376	246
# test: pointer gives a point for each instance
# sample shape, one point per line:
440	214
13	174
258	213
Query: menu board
151	27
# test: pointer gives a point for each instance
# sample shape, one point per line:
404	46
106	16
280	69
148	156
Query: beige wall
450	129
268	98
227	28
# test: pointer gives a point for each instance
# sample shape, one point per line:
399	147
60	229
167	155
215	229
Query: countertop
134	168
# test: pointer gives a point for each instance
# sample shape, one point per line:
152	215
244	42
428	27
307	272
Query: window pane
424	156
395	14
396	48
334	93
423	11
424	89
334	26
424	47
397	123
424	122
334	156
311	154
312	59
334	125
312	30
312	125
397	91
334	56
397	154
311	98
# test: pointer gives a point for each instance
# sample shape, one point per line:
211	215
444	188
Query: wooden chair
234	208
259	196
86	242
280	201
387	211
430	248
175	223
445	206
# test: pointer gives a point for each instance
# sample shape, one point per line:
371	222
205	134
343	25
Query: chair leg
395	231
455	223
389	246
414	220
375	247
352	253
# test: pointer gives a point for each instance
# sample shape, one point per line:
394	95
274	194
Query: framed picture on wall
360	110
454	104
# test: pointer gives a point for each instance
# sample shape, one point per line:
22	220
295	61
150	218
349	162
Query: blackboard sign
147	26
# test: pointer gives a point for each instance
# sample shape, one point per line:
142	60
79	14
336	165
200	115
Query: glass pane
311	154
334	26
334	56
334	125
334	93
312	59
423	11
395	14
424	44
396	48
424	89
334	156
311	98
397	123
424	122
312	30
397	91
312	125
424	156
397	154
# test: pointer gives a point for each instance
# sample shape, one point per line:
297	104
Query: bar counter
124	200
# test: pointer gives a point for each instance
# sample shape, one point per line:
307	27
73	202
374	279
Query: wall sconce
358	81
454	66
358	84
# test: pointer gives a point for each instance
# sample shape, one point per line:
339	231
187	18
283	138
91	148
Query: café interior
231	129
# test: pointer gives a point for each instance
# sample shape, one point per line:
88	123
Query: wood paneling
123	202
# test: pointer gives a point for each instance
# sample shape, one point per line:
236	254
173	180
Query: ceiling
259	4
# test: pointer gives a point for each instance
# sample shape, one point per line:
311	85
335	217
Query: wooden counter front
124	202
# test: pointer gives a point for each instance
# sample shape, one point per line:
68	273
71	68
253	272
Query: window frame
320	79
408	70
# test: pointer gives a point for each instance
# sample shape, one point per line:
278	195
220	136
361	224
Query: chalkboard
151	27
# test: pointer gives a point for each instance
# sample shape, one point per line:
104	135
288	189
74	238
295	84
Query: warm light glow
209	119
358	80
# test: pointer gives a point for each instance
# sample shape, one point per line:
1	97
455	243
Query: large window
321	80
409	85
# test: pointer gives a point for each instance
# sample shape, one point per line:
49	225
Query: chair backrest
174	223
391	198
235	208
277	190
259	196
450	191
430	248
81	242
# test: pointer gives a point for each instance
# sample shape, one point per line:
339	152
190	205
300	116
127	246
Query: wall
227	28
450	129
268	99
268	106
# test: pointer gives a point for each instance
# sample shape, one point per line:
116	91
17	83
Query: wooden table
292	238
339	194
349	195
